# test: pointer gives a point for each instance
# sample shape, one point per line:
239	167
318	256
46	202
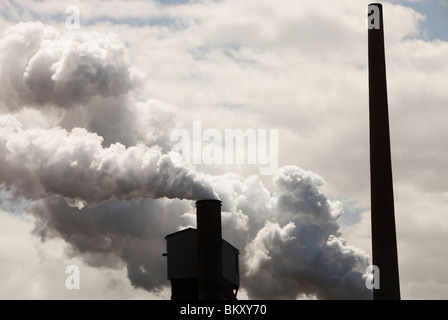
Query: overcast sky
87	173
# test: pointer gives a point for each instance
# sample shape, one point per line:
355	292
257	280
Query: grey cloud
115	234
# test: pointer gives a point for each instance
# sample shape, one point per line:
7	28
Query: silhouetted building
201	265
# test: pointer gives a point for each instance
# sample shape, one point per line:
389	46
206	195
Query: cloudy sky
88	176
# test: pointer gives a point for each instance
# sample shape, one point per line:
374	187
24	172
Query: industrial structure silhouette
201	265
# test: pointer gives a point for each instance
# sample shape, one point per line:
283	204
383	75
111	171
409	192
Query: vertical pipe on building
384	242
210	272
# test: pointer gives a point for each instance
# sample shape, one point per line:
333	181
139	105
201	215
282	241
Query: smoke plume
39	163
41	67
112	191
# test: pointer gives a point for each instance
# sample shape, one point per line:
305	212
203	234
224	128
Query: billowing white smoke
114	198
300	251
41	66
45	162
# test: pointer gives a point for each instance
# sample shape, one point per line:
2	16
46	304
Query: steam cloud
39	163
41	67
114	194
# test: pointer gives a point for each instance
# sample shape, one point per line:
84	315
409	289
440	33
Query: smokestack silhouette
384	241
209	249
202	265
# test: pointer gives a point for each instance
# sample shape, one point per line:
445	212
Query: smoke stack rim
208	201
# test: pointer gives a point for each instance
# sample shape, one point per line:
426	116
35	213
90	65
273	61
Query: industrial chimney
202	265
208	215
384	241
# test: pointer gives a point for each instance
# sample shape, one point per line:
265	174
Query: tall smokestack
384	241
210	269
